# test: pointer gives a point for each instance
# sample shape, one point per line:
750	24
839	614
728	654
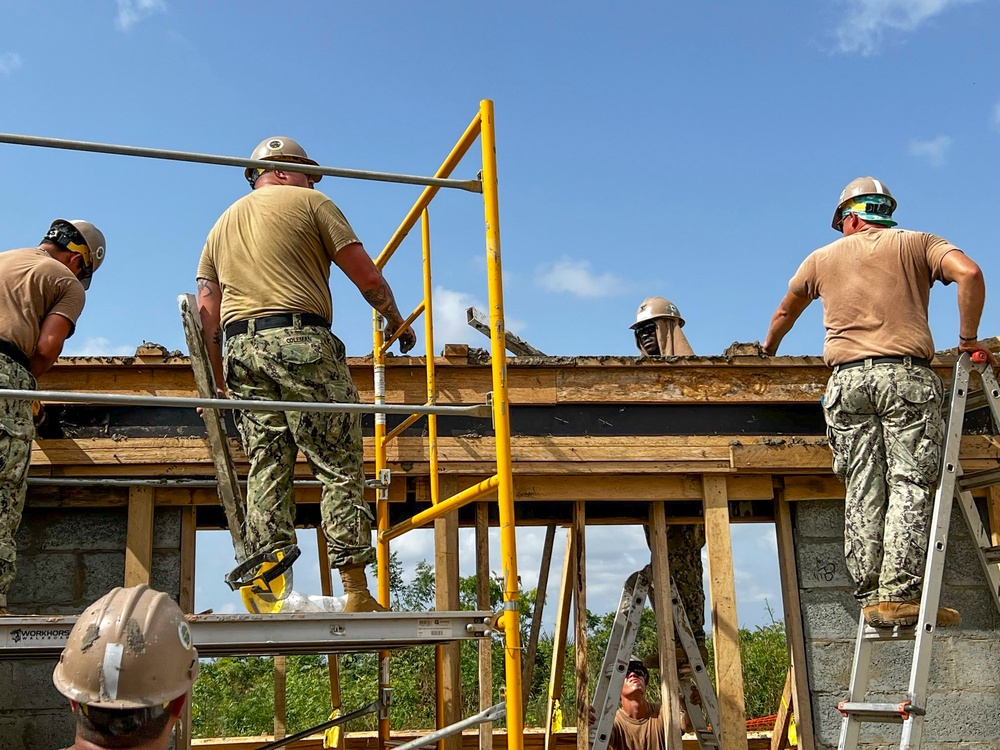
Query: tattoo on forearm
380	296
204	288
217	337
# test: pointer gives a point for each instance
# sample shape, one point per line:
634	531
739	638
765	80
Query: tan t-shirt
638	734
271	253
875	286
34	285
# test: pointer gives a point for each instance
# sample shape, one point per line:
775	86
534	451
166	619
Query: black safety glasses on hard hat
637	668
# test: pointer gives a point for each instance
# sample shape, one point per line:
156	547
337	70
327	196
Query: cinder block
820	564
829	665
966	716
22	590
820	518
81	529
829	614
34	690
102	571
961	563
976	661
167	528
978	609
12	733
166	574
891	662
50	729
45	579
7	688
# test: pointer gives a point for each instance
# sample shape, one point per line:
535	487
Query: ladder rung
897	633
882	712
977	479
991	554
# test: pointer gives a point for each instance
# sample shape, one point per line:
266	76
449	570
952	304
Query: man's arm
210	312
784	318
53	334
960	268
358	267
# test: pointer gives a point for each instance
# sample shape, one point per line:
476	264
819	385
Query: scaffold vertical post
432	434
381	519
501	425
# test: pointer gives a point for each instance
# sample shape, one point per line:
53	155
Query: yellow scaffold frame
482	127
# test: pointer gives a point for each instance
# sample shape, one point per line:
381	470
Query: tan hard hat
657	307
279	148
857	187
130	649
93	251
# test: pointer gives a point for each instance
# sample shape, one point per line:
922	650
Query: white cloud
995	119
9	62
97	346
451	320
935	150
577	278
866	22
130	12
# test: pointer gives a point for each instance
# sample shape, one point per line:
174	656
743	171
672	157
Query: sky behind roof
693	151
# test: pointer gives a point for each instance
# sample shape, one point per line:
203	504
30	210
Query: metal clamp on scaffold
258	572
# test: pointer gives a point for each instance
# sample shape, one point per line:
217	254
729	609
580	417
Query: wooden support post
332	660
993	509
446	597
485	604
280	678
725	625
139	537
580	623
559	638
186	602
669	685
779	735
528	667
794	632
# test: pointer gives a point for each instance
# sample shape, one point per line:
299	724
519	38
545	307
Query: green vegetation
235	696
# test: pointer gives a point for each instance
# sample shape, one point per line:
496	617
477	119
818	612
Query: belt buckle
907	361
868	363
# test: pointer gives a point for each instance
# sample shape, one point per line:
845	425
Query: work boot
871	615
891	614
359	598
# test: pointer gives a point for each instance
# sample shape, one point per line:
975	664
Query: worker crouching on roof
42	293
883	403
263	280
127	670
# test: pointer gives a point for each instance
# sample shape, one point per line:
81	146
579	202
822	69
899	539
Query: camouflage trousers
684	543
16	434
886	430
300	364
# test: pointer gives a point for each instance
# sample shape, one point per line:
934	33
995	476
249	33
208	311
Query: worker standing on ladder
658	333
263	280
638	723
42	293
883	402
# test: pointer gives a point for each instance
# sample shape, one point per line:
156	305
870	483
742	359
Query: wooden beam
725	624
669	685
816	487
783	721
559	638
332	660
528	665
484	603
580	622
185	599
446	597
139	537
993	509
794	630
515	344
280	707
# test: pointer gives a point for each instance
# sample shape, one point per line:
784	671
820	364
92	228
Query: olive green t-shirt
34	285
637	734
875	286
271	250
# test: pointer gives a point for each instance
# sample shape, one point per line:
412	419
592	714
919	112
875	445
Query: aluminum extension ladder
953	485
613	671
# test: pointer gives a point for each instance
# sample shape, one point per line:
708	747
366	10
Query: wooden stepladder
953	485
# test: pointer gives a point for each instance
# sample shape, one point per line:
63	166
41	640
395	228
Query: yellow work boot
871	615
891	614
359	598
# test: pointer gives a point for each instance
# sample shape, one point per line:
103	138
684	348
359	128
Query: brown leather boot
359	598
871	615
891	614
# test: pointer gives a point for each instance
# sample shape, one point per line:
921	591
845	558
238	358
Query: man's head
82	243
869	200
636	679
653	315
279	148
127	668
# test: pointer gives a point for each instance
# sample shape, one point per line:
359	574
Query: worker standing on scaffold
42	293
263	280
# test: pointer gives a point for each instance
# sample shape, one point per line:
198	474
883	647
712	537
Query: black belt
908	361
276	321
12	351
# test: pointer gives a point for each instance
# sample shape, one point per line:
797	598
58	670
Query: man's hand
407	340
591	715
978	346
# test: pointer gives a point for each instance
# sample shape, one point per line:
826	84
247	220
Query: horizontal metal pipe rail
179	484
473	186
181	402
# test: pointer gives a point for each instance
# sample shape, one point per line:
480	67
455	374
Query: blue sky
690	150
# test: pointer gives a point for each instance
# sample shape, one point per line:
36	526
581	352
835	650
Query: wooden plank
559	638
779	735
813	487
725	624
635	488
993	508
528	665
185	599
794	629
446	597
280	703
139	537
669	685
332	660
485	604
580	621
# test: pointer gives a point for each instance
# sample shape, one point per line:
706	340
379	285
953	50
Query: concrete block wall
67	558
964	698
